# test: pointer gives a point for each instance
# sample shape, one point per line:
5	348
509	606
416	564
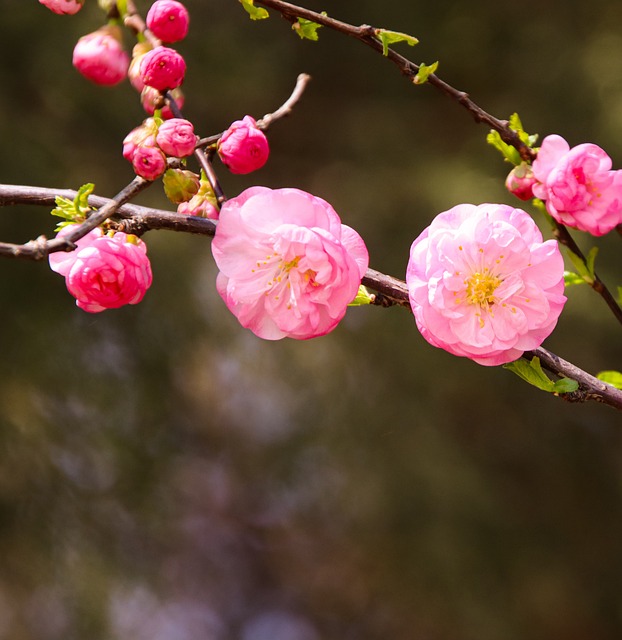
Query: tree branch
391	291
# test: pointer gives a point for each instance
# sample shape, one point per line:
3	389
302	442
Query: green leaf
256	13
614	378
391	37
362	297
589	261
619	295
580	266
532	373
76	210
424	72
307	28
572	278
507	151
516	125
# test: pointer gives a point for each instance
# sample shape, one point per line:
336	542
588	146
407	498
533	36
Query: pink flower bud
162	68
149	162
168	20
152	99
243	147
99	56
105	272
180	185
203	204
133	73
176	137
142	136
520	181
68	7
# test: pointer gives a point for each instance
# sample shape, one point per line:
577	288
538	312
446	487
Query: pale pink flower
578	186
99	56
483	284
176	137
244	147
105	272
198	206
520	181
162	68
68	7
148	162
288	267
168	20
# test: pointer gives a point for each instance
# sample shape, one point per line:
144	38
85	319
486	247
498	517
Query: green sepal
391	37
570	277
584	269
532	373
614	378
362	297
307	29
73	211
255	13
425	71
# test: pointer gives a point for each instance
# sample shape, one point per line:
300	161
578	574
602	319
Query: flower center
481	288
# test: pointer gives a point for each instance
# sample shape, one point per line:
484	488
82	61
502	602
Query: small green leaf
391	37
589	261
307	28
507	151
572	278
614	378
619	295
580	266
362	297
425	72
532	373
76	210
255	13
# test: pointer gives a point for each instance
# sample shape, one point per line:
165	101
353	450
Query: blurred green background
165	475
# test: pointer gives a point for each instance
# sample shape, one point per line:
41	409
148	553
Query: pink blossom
142	136
133	73
243	147
105	272
99	56
520	181
68	7
61	261
483	284
162	68
148	162
168	20
198	206
152	99
578	186
176	137
288	267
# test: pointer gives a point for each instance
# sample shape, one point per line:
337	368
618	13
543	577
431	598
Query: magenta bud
520	181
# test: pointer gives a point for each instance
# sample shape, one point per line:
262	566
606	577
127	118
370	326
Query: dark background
165	475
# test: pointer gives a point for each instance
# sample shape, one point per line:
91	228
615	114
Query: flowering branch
138	220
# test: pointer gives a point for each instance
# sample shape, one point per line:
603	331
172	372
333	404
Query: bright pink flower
105	272
483	284
288	267
149	162
99	56
243	147
68	7
578	186
168	20
520	181
61	261
176	137
162	68
151	100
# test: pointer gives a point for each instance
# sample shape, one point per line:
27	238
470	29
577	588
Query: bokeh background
165	475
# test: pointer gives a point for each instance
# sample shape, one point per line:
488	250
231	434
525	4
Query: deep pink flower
176	137
578	186
288	267
243	147
520	181
105	272
168	20
99	56
68	7
162	68
148	162
483	284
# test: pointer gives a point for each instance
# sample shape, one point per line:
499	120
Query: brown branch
368	36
